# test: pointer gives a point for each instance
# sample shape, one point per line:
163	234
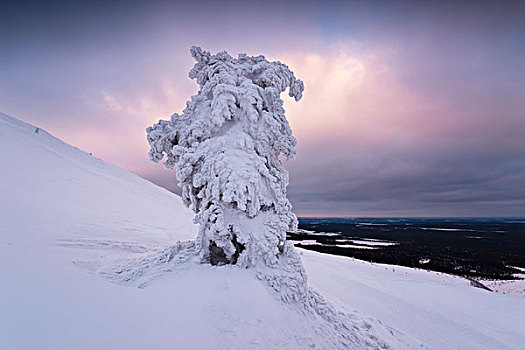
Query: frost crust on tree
226	148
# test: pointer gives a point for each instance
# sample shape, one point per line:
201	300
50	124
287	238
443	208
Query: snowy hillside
65	216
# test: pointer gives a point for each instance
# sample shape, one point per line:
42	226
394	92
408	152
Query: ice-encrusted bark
226	148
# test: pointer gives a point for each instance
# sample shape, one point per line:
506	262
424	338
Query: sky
410	108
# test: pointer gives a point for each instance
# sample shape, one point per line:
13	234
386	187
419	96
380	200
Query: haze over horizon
409	109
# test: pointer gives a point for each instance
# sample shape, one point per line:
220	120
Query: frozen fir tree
227	148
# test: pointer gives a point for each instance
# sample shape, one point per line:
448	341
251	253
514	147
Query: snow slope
65	215
444	311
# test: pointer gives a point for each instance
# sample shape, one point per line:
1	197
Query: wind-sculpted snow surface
328	326
225	148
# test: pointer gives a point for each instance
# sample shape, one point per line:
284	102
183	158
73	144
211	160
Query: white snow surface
514	287
510	287
442	310
65	216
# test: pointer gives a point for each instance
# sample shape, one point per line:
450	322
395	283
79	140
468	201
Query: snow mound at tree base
324	324
330	327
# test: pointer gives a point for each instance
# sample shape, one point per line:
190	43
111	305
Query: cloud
410	108
111	102
381	146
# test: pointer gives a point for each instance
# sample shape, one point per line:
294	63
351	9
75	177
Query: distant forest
472	248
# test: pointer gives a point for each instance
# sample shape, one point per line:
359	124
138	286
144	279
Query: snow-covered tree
227	148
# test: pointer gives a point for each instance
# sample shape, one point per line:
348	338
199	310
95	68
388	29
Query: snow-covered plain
65	215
